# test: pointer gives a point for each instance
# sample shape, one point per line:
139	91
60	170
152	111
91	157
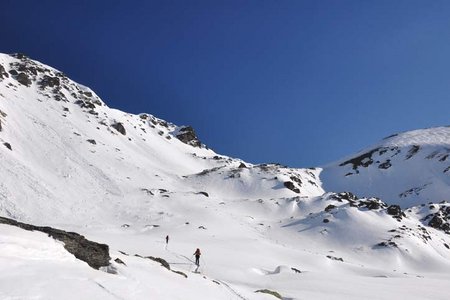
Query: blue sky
302	83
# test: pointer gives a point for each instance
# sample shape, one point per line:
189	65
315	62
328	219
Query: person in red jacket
197	257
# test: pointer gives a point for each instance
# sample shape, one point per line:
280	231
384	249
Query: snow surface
130	191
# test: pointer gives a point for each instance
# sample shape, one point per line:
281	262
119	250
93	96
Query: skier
167	239
197	257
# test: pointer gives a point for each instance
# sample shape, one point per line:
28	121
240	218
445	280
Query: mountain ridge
128	180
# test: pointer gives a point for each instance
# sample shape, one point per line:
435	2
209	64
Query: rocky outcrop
270	292
440	219
49	81
187	135
7	145
395	211
23	79
3	73
119	127
365	160
290	185
94	254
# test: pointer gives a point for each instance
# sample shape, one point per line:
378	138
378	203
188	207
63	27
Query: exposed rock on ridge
188	136
94	254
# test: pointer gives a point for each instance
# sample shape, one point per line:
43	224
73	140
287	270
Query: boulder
49	81
394	210
23	78
119	127
436	222
187	135
290	185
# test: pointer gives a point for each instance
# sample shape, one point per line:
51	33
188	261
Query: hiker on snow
197	257
167	239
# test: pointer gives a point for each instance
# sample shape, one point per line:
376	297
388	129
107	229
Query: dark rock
242	166
180	273
296	270
326	221
335	258
49	81
273	293
20	56
412	151
85	104
363	160
187	135
330	207
149	192
387	244
119	261
290	185
446	228
373	205
23	78
386	165
394	210
344	196
436	222
296	179
88	94
13	72
119	127
3	73
203	193
94	254
93	142
163	262
8	145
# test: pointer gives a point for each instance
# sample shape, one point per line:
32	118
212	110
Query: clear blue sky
302	83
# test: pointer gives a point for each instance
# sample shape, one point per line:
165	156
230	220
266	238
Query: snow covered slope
69	161
408	169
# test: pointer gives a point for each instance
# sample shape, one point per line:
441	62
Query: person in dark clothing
197	257
167	239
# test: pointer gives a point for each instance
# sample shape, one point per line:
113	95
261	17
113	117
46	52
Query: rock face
365	160
440	219
395	211
94	254
290	185
119	127
23	79
187	135
3	73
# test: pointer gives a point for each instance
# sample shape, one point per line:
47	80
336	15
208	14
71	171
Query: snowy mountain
408	169
372	226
